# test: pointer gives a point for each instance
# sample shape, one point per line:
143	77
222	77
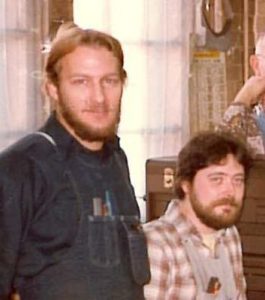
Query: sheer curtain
20	68
155	37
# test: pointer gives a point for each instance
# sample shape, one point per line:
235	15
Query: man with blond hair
69	220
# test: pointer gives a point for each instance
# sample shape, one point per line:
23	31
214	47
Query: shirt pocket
103	241
117	240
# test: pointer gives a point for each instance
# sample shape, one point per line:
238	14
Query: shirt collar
181	223
64	140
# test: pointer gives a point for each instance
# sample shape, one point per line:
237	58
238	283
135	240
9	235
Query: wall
259	20
59	11
221	79
237	64
220	66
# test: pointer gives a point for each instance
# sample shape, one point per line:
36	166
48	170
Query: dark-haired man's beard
91	133
208	215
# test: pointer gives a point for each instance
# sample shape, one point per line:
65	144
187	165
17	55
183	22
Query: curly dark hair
205	149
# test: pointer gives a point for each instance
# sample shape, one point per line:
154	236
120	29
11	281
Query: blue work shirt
52	245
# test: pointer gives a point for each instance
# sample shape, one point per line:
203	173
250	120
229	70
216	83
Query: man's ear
186	187
254	63
51	90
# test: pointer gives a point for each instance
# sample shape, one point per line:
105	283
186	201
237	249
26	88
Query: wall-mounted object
217	18
217	15
208	89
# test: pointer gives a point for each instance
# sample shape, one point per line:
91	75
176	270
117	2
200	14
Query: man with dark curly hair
194	248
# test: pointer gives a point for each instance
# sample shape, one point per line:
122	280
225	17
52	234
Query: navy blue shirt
53	245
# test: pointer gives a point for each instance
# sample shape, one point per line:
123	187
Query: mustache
226	201
99	108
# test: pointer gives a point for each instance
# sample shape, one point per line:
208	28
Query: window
20	72
154	118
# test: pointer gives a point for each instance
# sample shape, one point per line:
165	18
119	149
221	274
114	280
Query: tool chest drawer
160	177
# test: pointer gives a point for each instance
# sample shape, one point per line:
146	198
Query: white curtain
20	68
155	36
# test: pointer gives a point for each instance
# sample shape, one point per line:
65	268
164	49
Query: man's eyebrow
224	173
82	74
112	74
215	173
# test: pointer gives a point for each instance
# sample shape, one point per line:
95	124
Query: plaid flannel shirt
171	272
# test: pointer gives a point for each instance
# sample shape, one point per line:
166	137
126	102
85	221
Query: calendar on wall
208	96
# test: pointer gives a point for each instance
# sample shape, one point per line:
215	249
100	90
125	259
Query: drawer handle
168	178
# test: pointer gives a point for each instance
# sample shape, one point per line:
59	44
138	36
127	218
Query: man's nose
98	92
230	187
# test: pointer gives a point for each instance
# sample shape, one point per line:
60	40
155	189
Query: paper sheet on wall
208	99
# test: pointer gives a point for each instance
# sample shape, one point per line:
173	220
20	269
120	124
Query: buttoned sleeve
240	121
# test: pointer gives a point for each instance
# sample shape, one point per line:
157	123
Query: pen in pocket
104	207
108	202
97	206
